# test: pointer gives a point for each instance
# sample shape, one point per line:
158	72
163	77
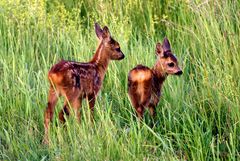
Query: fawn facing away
145	84
76	81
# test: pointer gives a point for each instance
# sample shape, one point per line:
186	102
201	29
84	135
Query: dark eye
118	49
112	42
171	64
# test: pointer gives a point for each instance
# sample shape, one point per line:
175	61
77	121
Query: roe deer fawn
145	84
76	81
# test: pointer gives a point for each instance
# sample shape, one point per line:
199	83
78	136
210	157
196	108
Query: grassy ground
198	115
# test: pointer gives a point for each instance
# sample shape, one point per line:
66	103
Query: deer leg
140	112
144	102
152	109
91	101
48	114
65	110
75	103
135	100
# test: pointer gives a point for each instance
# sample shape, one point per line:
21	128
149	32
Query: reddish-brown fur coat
145	84
76	81
144	92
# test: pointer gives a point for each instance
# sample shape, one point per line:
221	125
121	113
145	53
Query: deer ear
98	30
159	49
106	34
166	45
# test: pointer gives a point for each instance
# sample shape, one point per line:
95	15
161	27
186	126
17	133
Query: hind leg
152	110
75	104
134	97
140	112
74	101
48	114
65	111
144	102
137	105
142	105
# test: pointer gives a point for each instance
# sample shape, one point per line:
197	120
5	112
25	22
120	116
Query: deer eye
118	49
171	64
112	42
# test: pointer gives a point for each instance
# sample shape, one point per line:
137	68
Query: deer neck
101	59
159	74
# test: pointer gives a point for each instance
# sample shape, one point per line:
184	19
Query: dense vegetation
198	116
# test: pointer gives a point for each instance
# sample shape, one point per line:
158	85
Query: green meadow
198	117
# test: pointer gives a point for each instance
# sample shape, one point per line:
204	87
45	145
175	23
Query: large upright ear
166	45
106	34
159	49
98	30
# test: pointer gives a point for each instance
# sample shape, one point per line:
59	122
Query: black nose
179	72
122	57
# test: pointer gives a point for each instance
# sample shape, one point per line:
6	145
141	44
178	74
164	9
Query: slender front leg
48	114
76	106
91	101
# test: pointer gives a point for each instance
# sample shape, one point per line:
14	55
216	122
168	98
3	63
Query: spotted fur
76	81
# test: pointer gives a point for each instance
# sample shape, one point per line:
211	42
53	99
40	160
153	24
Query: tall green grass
198	115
